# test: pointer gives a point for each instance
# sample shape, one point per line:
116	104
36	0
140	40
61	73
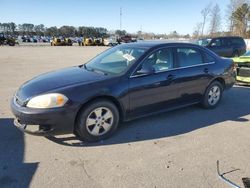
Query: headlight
52	100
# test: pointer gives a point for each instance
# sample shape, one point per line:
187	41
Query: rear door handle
170	77
206	70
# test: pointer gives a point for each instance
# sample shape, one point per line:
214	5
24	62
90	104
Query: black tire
11	44
206	97
81	130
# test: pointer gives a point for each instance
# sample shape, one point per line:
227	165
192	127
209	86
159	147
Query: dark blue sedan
123	83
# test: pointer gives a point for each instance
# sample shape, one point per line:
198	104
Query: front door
156	90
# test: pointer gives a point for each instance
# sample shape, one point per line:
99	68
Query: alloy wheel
214	95
99	121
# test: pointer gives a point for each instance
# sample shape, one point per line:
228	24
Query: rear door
195	72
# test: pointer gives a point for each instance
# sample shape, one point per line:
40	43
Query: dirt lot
174	149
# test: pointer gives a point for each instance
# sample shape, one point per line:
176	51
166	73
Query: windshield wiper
84	65
94	70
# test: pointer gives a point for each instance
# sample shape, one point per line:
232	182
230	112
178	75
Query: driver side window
159	60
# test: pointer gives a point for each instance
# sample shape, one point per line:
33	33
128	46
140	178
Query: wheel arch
220	80
107	98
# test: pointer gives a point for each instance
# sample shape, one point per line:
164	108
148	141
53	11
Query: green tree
52	31
67	31
120	32
39	29
240	20
26	28
231	8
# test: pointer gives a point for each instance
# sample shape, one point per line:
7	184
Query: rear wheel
97	121
212	95
11	43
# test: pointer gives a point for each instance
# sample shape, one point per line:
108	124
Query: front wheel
97	121
212	95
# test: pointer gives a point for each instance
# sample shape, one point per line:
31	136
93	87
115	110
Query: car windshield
203	42
115	60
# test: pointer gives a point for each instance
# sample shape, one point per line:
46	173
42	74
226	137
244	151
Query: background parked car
203	42
56	42
111	41
61	42
7	40
243	68
124	39
86	42
226	46
98	41
67	42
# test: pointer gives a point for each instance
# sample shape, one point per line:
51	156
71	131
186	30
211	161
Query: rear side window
237	41
208	58
226	42
188	57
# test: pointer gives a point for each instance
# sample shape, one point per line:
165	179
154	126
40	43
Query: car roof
228	37
155	44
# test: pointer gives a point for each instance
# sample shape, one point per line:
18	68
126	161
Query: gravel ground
173	149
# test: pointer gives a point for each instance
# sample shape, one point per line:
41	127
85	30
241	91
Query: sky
158	16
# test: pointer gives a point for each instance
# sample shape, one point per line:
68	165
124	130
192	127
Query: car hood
57	79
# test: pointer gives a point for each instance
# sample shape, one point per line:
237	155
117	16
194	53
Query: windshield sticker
129	57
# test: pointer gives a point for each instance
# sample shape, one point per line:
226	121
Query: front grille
243	72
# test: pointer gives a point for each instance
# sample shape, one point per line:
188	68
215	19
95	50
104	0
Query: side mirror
146	71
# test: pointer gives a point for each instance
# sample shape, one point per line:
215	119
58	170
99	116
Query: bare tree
205	13
197	30
215	20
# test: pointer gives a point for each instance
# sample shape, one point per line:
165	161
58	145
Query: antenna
120	18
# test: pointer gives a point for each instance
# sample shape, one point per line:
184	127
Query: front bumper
44	122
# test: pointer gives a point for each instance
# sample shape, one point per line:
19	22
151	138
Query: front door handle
170	77
206	70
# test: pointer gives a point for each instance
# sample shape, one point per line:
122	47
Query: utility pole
120	18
